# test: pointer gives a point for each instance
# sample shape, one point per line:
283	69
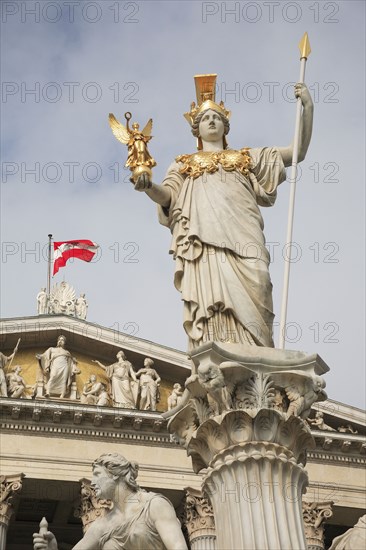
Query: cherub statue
175	397
212	380
348	429
319	423
139	160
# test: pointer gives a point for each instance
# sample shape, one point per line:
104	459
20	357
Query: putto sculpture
137	519
175	397
210	201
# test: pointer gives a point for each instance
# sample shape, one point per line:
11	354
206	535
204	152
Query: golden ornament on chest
209	161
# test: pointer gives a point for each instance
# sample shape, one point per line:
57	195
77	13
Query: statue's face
103	483
61	342
211	126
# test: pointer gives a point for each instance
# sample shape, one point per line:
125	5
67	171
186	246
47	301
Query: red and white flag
84	250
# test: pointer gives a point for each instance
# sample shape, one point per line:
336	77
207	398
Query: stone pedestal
241	419
9	487
199	521
315	514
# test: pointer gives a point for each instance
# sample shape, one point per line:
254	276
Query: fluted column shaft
204	542
255	490
3	533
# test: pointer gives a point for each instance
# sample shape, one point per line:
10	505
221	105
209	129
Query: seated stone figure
137	520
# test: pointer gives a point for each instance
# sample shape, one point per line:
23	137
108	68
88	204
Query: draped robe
59	364
221	262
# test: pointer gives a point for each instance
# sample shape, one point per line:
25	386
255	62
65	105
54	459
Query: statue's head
210	125
108	470
121	355
206	102
148	362
61	341
92	378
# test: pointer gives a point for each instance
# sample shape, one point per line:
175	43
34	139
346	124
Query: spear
305	50
14	352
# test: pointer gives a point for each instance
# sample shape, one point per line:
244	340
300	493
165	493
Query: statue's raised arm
306	126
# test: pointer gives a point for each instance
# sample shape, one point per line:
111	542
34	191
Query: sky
66	65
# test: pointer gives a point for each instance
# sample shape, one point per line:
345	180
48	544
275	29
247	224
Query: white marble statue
93	392
16	383
175	397
210	201
81	307
103	397
42	302
4	360
123	382
137	520
319	423
149	386
353	539
59	366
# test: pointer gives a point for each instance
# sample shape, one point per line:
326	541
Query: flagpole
49	267
305	50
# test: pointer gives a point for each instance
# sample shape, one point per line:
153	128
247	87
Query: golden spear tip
304	46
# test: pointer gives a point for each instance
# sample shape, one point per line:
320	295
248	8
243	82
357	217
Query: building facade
49	442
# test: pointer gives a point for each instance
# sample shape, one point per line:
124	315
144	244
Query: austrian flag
84	250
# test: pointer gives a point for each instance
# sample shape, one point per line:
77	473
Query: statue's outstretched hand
46	541
143	182
302	91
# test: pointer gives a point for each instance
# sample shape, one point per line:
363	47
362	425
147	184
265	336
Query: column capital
242	419
90	508
315	514
238	394
198	514
9	487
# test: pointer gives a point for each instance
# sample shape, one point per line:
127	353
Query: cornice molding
74	420
11	329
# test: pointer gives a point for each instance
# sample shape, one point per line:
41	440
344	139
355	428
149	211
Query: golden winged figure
139	159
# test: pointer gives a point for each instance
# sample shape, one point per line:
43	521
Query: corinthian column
199	521
9	487
315	514
241	419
